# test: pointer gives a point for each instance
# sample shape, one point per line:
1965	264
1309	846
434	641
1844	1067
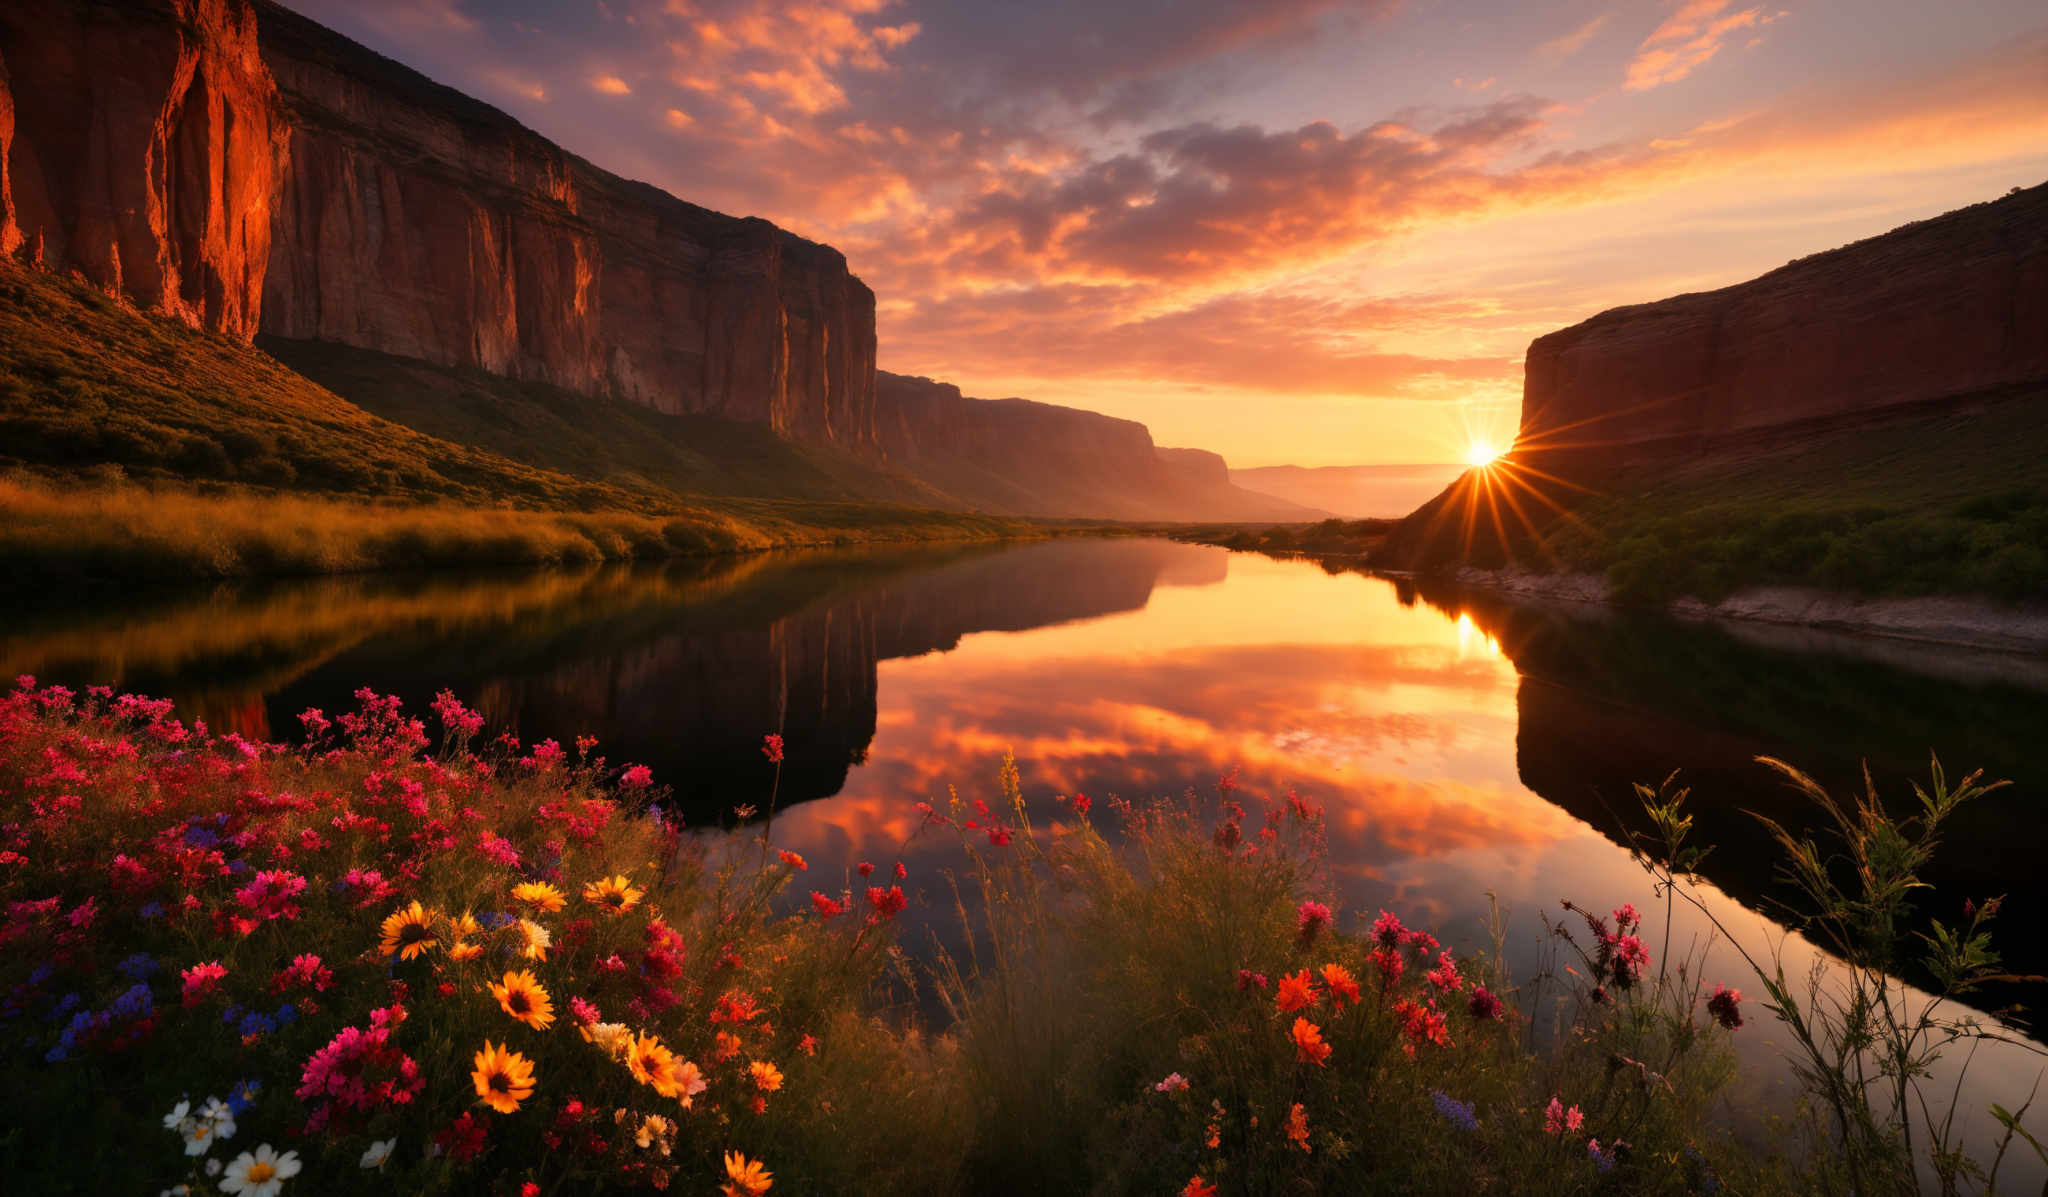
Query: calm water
1461	746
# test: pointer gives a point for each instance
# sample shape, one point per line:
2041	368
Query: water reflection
1463	747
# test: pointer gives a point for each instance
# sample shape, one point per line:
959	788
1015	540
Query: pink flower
1247	979
827	907
771	747
1310	918
1725	1006
1445	975
1387	929
1483	1004
1553	1117
584	1012
201	980
1174	1083
637	777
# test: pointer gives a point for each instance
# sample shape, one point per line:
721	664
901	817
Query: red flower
1296	992
1308	1043
1725	1006
771	747
827	907
888	903
1483	1004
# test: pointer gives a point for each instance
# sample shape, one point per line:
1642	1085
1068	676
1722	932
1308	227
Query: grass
50	532
1147	998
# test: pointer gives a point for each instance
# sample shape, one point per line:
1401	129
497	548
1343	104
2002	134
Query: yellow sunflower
523	998
746	1178
503	1079
615	894
539	895
409	933
653	1064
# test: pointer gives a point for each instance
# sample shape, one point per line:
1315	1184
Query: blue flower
256	1024
151	910
1458	1113
286	1015
65	1005
201	837
1602	1160
42	973
232	1014
138	967
136	1003
243	1095
238	866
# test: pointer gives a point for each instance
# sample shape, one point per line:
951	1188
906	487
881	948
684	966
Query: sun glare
1481	454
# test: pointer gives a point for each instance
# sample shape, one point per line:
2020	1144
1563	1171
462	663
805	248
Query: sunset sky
1290	231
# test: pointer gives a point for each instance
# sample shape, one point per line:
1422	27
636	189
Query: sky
1291	231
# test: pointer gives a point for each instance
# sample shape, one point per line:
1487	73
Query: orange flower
615	894
745	1177
1342	985
689	1082
794	861
1296	992
539	895
767	1077
1308	1043
653	1064
1297	1126
728	1047
503	1079
1196	1187
524	999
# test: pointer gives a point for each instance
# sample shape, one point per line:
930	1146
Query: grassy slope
1947	500
605	440
141	445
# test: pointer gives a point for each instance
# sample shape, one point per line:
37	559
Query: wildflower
1311	918
1387	929
1297	1126
464	1138
1603	1160
1553	1117
260	1173
1196	1187
794	861
1445	975
902	874
766	1077
503	1079
583	1012
1342	985
461	928
827	908
689	1081
539	895
1725	1006
1630	959
523	997
888	903
1308	1043
408	933
808	1045
1082	804
305	971
637	777
1295	992
379	1152
1483	1005
534	940
1389	963
613	1038
1458	1113
745	1177
177	1115
656	1132
1247	979
735	1007
201	980
1174	1083
653	1064
771	747
615	894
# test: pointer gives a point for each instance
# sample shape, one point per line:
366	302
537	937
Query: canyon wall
142	146
244	169
1020	457
1948	306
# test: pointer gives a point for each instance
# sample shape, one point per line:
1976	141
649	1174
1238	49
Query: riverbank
53	532
1958	620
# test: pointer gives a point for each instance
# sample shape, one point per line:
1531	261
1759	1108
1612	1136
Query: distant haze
1354	492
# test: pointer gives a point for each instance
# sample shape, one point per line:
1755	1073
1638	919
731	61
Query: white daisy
380	1151
221	1115
198	1134
177	1115
213	1167
261	1173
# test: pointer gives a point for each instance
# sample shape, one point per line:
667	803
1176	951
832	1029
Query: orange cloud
1573	42
1686	40
611	85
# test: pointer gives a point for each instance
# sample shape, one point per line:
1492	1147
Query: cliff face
419	222
245	169
1948	306
141	144
1019	457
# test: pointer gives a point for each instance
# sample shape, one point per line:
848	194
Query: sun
1481	454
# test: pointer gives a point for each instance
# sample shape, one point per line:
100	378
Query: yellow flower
613	1037
539	895
655	1131
767	1077
616	894
503	1079
746	1178
534	940
653	1064
459	947
524	999
408	933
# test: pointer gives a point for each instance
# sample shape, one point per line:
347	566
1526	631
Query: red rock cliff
417	221
1947	306
141	144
